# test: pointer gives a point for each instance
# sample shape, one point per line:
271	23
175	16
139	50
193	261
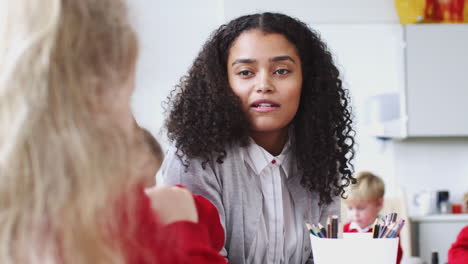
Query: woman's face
264	70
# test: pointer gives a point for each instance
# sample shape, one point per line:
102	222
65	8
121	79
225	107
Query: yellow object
432	11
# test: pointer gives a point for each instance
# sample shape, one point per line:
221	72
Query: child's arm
199	181
154	236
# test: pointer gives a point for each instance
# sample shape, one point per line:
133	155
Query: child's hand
173	204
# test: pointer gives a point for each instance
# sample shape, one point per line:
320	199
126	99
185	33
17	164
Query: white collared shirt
353	225
277	220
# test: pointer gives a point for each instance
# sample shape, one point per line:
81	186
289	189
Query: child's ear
380	203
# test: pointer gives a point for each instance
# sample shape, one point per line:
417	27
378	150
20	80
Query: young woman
72	160
262	128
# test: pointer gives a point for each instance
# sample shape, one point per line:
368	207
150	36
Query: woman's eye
282	71
245	73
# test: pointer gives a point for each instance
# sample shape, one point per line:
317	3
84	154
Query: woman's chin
268	128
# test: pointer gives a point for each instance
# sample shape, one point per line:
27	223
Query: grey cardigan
239	200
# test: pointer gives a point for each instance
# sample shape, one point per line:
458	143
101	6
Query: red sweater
179	242
458	252
347	229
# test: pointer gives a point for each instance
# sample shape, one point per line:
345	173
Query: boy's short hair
368	187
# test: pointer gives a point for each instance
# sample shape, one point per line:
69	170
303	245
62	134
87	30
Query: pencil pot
354	248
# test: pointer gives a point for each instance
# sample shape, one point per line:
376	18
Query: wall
433	163
365	38
367	55
319	11
171	35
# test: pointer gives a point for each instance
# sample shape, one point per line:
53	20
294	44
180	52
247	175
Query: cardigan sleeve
458	252
200	181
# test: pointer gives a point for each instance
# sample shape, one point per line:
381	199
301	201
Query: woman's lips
264	106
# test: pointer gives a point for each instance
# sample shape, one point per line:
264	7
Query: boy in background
364	202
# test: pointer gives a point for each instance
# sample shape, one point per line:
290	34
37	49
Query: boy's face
363	212
264	70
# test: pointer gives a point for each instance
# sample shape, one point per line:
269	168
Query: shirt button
273	161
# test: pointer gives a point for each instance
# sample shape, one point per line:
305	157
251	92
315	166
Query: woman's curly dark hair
205	115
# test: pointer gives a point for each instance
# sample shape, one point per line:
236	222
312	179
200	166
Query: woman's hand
173	204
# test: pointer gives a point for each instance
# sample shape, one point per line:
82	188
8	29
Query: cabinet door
437	236
437	79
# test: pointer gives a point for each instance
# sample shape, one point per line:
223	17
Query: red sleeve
208	217
180	242
346	227
193	242
458	252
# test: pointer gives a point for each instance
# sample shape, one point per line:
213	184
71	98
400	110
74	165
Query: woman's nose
264	84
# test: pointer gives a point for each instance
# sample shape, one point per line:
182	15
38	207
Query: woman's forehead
258	45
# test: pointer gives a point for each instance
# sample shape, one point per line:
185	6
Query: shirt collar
353	225
258	158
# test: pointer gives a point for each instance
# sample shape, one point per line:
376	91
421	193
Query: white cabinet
435	233
433	97
437	80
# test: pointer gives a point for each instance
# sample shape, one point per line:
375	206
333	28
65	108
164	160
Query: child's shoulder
346	227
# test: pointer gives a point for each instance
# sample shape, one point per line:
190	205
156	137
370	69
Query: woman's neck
273	142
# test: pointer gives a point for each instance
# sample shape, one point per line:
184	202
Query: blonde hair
154	145
368	187
156	158
64	161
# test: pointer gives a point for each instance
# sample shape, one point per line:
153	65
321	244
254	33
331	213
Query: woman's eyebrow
249	61
282	58
274	59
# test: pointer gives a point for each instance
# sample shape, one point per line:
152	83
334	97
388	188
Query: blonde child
364	202
71	156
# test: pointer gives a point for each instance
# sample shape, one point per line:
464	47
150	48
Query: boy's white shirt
353	225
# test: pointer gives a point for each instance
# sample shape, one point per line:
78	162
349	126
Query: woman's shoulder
178	168
176	157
